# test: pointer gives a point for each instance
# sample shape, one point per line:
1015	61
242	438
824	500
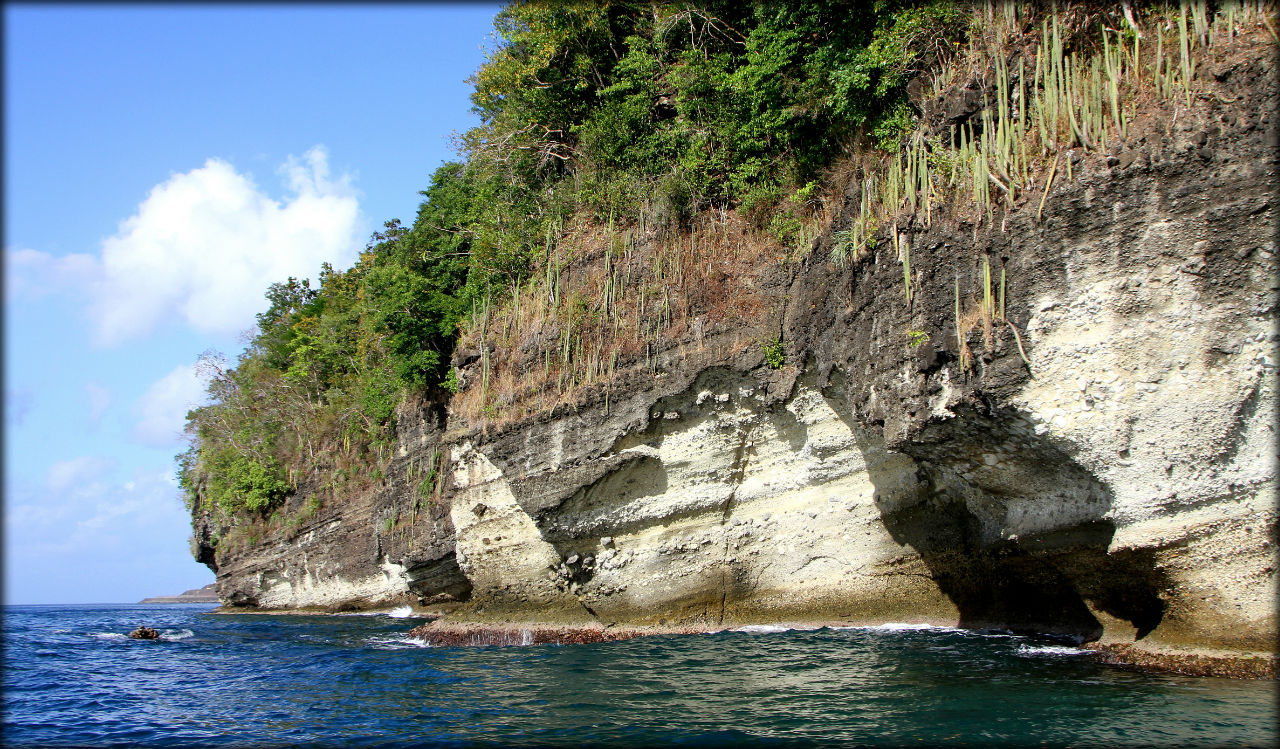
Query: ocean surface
72	677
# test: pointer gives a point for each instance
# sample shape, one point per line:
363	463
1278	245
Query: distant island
207	594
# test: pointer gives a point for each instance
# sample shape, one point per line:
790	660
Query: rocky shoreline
439	631
441	634
1189	662
1183	661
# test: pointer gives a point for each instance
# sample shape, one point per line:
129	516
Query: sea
73	678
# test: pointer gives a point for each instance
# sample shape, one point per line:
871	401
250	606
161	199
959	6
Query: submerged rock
144	633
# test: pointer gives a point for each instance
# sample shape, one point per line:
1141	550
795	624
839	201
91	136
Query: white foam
399	612
108	636
400	642
1050	650
905	627
760	629
176	634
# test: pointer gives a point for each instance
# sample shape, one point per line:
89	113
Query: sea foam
1050	650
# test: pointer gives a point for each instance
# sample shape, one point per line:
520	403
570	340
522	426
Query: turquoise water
71	677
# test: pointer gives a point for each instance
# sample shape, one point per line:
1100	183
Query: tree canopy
609	109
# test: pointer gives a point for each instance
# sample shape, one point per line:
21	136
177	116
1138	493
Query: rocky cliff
1099	461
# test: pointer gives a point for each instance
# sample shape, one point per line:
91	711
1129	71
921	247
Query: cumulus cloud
205	244
163	408
202	249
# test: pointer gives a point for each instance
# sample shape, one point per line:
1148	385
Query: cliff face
389	544
1121	486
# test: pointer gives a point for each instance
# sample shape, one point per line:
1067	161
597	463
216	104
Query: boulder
144	633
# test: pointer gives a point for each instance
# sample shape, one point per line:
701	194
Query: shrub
240	482
774	354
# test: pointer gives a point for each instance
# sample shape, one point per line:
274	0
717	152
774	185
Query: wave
1051	650
399	612
905	627
759	629
167	635
399	642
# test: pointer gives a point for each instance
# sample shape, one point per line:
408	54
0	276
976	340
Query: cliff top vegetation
635	168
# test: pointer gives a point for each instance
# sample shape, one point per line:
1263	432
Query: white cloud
85	535
163	408
202	248
99	398
31	274
80	475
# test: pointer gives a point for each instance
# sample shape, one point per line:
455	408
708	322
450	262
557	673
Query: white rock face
1126	489
726	511
1167	395
383	543
314	578
498	545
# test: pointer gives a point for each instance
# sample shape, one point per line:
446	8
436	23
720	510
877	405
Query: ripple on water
328	680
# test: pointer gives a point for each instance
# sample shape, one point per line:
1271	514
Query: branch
1128	16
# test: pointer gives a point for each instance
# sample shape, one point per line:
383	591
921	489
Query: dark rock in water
144	633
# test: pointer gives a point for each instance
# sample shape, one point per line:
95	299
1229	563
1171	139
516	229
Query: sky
162	166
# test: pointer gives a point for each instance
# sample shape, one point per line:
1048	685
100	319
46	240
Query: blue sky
162	166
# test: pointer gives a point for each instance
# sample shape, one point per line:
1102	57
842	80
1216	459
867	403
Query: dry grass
610	299
1078	85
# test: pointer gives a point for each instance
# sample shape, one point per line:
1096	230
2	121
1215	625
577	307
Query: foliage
774	353
613	110
649	116
451	383
238	481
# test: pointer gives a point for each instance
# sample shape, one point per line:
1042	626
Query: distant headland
207	594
